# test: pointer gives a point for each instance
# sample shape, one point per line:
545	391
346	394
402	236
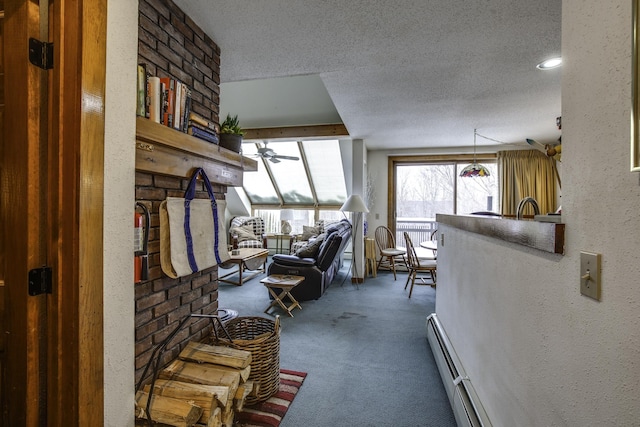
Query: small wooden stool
370	257
285	283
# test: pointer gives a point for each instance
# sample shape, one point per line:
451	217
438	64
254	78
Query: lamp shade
354	204
286	214
475	169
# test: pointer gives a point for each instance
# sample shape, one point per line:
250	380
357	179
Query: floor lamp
356	205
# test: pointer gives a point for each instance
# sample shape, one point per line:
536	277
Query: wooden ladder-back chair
417	266
388	250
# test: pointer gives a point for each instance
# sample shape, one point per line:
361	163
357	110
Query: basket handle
277	327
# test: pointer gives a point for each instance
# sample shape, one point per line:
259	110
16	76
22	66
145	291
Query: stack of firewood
205	386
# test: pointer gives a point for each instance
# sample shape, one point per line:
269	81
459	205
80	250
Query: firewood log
241	395
218	355
208	397
166	410
204	373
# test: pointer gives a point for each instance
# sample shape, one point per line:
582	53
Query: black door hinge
41	54
40	281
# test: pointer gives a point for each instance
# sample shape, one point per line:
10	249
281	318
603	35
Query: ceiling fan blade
285	157
533	142
274	159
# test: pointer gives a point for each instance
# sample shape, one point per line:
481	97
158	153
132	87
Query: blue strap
188	197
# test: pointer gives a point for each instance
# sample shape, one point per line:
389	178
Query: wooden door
51	181
2	296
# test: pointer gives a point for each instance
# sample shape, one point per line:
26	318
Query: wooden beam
313	131
76	206
166	151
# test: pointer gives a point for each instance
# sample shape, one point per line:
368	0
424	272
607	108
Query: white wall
537	352
120	116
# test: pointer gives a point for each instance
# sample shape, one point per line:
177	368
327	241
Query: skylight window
314	181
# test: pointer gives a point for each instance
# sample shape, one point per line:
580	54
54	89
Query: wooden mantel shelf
166	151
544	236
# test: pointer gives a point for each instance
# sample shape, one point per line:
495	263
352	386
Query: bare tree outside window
424	190
478	194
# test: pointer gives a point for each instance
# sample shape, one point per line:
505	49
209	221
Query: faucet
524	202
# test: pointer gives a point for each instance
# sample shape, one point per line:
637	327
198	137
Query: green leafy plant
231	125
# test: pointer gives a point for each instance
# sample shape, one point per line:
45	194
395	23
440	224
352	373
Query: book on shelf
169	97
187	110
206	135
191	124
155	98
177	105
197	118
141	99
181	102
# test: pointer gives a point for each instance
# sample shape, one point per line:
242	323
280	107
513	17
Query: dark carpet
365	351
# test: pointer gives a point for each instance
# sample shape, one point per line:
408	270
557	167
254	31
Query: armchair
247	232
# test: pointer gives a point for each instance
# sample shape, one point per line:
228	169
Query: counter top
544	236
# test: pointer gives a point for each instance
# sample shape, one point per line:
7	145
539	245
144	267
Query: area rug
270	412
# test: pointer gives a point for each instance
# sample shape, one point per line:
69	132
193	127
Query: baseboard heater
463	399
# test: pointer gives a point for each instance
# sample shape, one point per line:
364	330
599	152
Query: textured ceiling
400	74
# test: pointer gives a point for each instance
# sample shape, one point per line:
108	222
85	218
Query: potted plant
231	133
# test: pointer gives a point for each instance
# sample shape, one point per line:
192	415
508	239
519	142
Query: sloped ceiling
398	74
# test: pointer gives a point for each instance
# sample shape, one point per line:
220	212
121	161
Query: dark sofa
318	270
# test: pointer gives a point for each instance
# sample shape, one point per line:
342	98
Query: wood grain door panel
51	183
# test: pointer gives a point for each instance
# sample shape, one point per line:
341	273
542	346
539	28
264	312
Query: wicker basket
261	337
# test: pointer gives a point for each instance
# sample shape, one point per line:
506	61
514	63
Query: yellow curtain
526	173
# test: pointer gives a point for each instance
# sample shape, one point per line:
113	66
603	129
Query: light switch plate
590	275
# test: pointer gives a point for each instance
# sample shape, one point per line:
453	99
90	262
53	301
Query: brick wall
161	302
172	45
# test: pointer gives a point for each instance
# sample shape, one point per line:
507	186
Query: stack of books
167	101
202	128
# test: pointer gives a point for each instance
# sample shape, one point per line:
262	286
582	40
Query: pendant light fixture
474	169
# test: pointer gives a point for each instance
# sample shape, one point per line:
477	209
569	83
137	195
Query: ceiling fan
269	154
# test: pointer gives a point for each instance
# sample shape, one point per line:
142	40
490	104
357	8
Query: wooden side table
285	284
253	259
370	257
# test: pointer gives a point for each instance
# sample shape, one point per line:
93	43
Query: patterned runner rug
270	412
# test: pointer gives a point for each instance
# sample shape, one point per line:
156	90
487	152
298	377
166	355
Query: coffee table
284	283
252	259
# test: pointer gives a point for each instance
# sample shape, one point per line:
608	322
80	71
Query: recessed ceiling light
549	64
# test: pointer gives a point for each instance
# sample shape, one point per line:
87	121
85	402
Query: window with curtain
527	173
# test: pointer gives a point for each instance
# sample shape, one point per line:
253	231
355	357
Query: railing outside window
419	229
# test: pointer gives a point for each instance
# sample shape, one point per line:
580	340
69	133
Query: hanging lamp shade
474	169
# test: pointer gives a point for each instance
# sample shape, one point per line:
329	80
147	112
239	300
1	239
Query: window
258	185
424	187
325	168
272	219
478	194
313	185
